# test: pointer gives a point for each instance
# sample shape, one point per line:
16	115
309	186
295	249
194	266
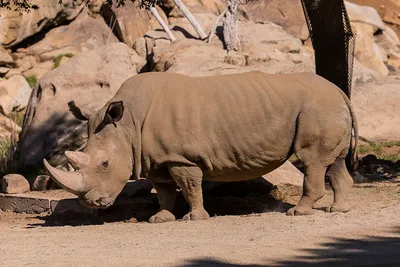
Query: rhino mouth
100	203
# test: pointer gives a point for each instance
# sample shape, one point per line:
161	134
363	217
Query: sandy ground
369	235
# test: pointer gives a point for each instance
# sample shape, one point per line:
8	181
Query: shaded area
371	168
365	251
239	198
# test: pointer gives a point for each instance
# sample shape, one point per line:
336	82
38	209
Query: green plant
17	117
8	155
32	80
58	58
384	150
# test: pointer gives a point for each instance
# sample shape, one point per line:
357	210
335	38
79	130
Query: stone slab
61	201
24	203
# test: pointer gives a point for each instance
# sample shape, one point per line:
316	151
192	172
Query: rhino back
224	124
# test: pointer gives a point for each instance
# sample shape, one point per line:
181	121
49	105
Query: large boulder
286	13
195	6
90	79
16	27
389	11
130	21
5	58
366	23
14	93
377	106
265	46
367	51
364	14
83	34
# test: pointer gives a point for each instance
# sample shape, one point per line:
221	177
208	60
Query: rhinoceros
180	130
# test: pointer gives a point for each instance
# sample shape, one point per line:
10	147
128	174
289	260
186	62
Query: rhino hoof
297	211
162	216
339	208
196	216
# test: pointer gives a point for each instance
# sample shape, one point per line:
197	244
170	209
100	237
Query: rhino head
105	165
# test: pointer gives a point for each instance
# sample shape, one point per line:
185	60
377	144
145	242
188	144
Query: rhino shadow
236	198
365	251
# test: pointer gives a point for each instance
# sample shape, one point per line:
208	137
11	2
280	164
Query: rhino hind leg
189	179
166	194
341	183
313	190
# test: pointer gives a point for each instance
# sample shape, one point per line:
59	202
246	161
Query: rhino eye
105	164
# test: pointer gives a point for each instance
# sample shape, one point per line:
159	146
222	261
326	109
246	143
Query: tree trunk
231	36
191	19
164	25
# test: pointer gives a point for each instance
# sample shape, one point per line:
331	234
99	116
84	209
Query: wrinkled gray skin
179	130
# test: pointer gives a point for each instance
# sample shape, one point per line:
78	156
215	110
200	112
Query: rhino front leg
166	194
189	179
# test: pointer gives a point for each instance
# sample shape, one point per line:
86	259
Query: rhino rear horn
77	159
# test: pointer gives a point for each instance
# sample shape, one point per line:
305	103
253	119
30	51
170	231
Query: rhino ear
77	111
114	112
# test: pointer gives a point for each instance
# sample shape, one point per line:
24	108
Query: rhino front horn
70	181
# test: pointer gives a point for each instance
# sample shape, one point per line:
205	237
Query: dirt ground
369	235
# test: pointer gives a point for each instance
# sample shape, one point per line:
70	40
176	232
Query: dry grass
9	146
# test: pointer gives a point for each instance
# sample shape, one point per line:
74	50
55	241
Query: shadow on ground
366	251
229	199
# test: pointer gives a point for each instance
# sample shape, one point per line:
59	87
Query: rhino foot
296	211
196	215
162	216
345	207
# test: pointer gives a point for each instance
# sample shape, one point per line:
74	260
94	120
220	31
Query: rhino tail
352	157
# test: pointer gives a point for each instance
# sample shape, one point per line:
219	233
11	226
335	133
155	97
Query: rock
364	14
131	22
15	28
285	174
195	6
4	71
286	13
286	192
389	11
377	106
367	51
14	184
183	29
41	183
393	62
14	93
5	58
8	129
83	34
12	72
363	74
266	36
90	79
40	69
274	51
389	43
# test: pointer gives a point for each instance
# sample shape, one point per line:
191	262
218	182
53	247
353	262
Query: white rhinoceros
179	130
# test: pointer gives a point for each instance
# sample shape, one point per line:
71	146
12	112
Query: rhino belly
241	173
